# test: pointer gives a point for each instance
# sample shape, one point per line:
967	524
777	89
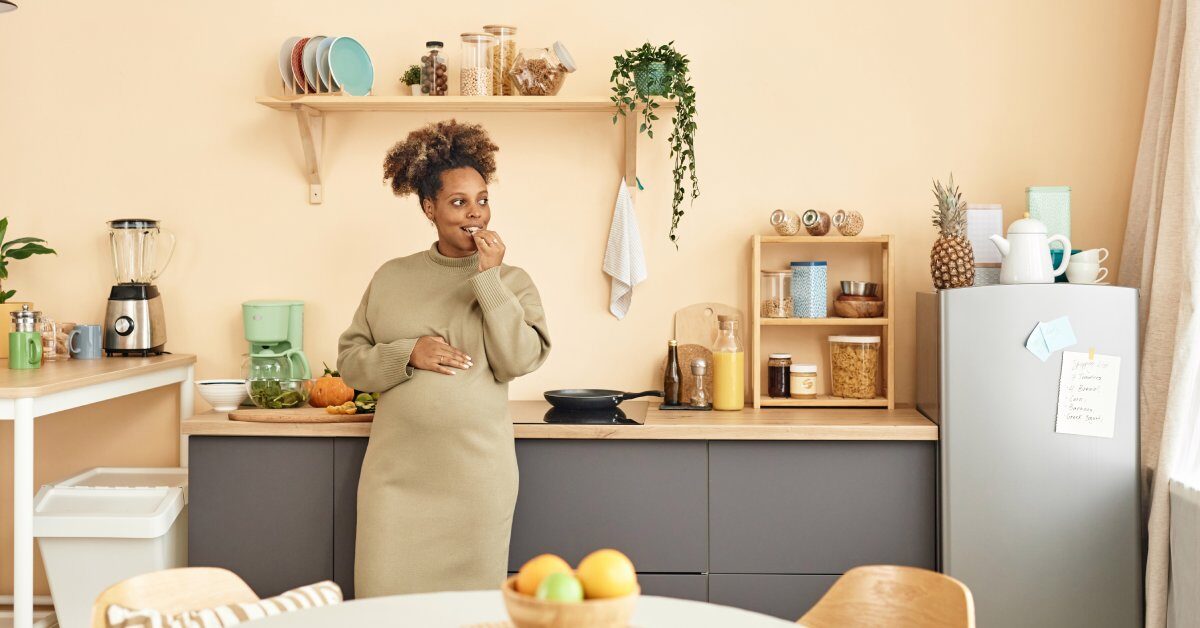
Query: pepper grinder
700	396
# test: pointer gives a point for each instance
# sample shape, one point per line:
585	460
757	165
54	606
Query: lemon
606	573
537	568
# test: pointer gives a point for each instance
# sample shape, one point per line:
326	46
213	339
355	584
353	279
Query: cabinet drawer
682	586
786	597
647	498
821	507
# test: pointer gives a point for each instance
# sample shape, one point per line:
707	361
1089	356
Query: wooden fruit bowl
526	611
857	309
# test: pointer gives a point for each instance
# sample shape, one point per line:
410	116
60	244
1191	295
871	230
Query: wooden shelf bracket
312	139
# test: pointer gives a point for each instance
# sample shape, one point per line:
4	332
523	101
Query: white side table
57	386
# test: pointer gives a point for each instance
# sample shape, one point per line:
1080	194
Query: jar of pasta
541	71
503	54
854	366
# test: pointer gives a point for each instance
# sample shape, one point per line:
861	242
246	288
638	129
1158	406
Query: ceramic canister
809	289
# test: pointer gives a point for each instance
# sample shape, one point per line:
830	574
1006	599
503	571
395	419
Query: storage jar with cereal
854	366
776	293
475	75
503	55
541	71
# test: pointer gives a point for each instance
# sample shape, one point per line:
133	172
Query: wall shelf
885	276
310	117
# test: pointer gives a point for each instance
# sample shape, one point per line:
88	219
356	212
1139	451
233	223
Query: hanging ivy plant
638	77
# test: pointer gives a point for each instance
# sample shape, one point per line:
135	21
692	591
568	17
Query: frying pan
593	398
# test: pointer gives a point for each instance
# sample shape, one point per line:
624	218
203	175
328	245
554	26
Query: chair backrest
174	590
896	597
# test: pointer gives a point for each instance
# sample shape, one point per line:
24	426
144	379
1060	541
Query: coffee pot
1026	253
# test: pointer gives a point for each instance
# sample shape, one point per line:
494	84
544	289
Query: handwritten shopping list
1087	394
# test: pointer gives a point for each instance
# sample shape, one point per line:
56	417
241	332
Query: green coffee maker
275	331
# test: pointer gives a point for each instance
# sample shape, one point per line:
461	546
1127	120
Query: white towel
624	258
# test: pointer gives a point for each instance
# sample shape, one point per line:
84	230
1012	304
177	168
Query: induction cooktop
628	413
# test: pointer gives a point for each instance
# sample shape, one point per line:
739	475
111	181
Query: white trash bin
105	525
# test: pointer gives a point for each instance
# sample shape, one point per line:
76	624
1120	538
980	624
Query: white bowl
225	395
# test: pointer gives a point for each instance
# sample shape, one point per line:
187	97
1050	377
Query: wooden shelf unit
310	116
885	324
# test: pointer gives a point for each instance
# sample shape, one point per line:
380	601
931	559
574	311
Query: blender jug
135	249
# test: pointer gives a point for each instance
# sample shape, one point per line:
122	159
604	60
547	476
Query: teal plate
351	66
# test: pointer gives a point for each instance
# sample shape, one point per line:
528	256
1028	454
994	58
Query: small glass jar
700	396
435	72
786	223
778	381
854	366
475	74
803	381
541	71
776	294
53	348
503	55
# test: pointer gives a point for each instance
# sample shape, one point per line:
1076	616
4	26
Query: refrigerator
1043	527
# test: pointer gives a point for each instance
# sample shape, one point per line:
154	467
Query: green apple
560	587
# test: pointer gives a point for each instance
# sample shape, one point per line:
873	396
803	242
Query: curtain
1160	258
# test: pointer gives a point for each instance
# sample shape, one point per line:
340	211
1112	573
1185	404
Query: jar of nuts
475	75
776	294
434	70
854	366
503	55
541	71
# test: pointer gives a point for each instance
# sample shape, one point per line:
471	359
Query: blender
133	323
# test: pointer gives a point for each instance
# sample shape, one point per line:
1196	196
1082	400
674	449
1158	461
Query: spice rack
310	113
884	273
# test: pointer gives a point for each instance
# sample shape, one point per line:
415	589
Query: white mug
1090	256
1085	272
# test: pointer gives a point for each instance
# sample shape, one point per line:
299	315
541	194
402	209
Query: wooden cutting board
306	414
697	324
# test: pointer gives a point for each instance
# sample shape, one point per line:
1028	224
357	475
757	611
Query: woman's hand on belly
433	353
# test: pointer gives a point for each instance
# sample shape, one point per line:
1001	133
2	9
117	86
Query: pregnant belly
469	400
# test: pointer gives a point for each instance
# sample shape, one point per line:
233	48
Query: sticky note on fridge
1087	394
1036	343
1058	334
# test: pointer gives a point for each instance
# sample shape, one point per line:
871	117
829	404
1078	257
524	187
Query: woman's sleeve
514	324
367	365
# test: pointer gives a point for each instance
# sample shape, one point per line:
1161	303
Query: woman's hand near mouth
433	353
491	249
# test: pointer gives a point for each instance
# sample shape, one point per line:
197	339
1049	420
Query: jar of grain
776	294
475	76
434	70
778	383
854	366
503	55
804	381
786	223
541	71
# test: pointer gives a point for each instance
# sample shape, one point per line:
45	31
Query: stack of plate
325	65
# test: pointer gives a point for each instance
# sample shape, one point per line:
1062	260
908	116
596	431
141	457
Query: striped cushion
319	594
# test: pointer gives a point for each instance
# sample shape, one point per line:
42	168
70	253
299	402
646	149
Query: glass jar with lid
803	381
776	294
779	366
435	72
475	74
541	71
854	366
504	52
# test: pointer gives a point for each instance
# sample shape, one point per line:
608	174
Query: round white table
485	609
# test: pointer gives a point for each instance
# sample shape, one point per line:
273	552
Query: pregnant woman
440	333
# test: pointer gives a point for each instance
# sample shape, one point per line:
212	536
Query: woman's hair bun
415	165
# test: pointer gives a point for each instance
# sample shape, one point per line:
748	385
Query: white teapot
1026	253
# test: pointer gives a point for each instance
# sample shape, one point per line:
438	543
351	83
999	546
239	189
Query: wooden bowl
858	309
526	611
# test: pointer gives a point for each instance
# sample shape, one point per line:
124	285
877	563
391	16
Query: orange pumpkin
330	390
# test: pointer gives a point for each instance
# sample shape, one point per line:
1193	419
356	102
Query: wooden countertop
747	424
61	375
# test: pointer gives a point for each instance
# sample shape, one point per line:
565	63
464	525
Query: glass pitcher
135	251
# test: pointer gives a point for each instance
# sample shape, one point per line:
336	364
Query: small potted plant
412	78
641	75
18	249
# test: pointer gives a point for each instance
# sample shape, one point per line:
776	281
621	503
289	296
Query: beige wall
147	108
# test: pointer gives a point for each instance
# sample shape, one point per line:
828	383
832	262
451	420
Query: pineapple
952	261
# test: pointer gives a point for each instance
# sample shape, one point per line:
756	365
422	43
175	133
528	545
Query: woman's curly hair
415	165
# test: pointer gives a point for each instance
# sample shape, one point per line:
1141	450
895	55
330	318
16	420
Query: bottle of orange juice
729	366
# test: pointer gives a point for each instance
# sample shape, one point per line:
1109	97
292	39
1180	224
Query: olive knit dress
439	481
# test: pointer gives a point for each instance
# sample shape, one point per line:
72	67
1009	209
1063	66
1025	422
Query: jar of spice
776	294
541	71
475	75
778	383
853	366
434	70
503	55
804	381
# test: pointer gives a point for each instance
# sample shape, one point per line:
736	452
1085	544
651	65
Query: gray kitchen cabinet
648	498
677	585
784	596
821	507
260	507
347	462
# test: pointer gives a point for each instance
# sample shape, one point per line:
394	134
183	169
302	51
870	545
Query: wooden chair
895	597
174	590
